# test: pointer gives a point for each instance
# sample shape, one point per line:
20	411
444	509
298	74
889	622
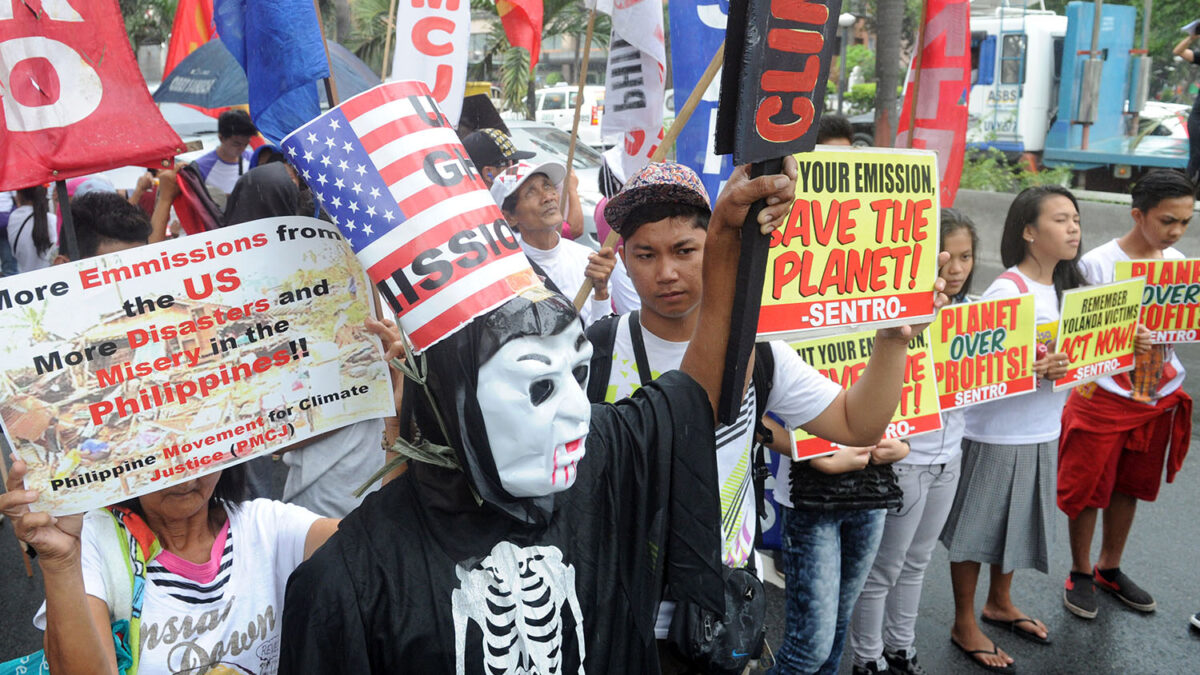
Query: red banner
74	100
945	80
522	21
193	27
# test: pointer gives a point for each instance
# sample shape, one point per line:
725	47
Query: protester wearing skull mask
548	548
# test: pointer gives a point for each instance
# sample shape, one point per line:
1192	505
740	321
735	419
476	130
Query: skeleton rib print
516	596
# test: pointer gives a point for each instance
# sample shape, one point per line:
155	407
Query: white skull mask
535	410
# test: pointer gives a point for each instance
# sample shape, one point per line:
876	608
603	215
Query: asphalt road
1161	555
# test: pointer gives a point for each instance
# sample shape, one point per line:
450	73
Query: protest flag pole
584	60
387	41
68	223
916	80
681	120
331	94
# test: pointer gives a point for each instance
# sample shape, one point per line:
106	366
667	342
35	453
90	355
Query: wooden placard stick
681	120
584	60
387	42
331	93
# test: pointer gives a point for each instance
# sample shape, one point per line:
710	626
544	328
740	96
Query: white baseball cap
514	176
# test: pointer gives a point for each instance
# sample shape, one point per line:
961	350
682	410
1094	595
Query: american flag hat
391	173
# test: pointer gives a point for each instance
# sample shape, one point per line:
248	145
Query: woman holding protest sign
193	554
1003	512
882	631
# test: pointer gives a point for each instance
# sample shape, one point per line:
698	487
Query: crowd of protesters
859	525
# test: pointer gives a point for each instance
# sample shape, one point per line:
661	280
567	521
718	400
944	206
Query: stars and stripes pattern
395	179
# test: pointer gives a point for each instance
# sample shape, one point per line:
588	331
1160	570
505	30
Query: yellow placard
859	247
1096	330
843	358
983	351
1171	299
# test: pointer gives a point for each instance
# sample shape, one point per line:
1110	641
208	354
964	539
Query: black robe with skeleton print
420	579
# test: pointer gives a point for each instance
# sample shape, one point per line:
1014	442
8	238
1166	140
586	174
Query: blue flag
697	29
278	43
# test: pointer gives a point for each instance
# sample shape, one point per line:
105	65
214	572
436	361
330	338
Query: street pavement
1161	556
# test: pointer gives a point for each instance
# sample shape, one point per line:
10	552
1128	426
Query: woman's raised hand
56	539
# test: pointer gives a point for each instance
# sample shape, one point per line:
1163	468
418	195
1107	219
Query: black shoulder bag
706	641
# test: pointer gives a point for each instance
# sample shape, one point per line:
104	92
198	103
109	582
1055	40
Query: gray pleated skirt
1003	512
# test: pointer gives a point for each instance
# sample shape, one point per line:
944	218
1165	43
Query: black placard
777	57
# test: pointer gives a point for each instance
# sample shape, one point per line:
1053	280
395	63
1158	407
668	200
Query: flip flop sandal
994	651
1019	632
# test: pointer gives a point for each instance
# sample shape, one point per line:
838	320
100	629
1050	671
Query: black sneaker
871	669
1116	582
903	662
1079	595
1195	621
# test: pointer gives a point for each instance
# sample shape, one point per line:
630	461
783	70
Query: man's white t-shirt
798	393
1099	267
188	629
20	237
565	264
1030	418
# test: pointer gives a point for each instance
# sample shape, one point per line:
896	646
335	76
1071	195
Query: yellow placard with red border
1171	299
859	247
1096	330
843	358
983	351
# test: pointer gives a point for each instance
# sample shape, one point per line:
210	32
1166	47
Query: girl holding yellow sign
883	630
1003	512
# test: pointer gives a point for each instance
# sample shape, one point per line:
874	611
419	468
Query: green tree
147	21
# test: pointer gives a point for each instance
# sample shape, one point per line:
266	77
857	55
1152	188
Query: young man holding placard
1118	432
662	213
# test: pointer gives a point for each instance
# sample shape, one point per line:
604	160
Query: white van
1016	59
556	107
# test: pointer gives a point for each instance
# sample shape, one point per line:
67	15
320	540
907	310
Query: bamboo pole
331	93
681	120
584	60
387	41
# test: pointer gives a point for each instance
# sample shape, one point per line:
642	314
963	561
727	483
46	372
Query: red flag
193	27
522	20
74	100
945	80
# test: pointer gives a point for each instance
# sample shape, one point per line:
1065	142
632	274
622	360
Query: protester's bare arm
705	356
168	189
319	533
74	641
845	460
781	438
861	414
574	207
145	183
1183	49
889	450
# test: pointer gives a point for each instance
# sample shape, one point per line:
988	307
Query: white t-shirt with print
235	620
1029	418
565	264
1099	267
798	392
